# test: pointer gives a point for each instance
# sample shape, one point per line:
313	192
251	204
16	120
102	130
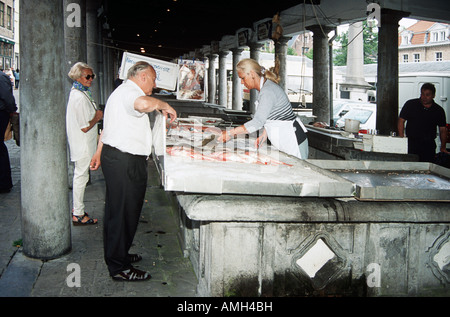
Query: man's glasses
88	77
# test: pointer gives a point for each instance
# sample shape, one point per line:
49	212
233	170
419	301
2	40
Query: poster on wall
191	80
166	73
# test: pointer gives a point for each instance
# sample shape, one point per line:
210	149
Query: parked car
342	106
367	117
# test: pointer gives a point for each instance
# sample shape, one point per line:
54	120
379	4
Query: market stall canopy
168	29
171	28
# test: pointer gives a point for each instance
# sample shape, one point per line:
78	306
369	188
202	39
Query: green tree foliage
370	39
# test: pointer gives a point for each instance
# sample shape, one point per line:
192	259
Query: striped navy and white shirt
273	104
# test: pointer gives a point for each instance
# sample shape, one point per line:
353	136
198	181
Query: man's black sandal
132	275
134	258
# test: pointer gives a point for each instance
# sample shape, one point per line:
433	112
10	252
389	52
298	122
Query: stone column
387	77
46	228
107	73
281	55
93	45
255	50
321	73
74	36
75	50
355	84
212	78
223	86
237	87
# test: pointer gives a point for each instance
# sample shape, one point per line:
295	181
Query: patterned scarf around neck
80	87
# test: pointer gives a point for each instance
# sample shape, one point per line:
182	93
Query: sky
405	22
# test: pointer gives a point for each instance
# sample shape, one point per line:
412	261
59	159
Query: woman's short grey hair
137	68
77	70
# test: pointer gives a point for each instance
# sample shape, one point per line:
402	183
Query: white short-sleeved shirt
79	112
125	128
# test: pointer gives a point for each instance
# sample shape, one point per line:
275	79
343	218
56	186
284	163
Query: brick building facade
424	41
6	34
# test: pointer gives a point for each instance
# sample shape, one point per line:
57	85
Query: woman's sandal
80	222
132	275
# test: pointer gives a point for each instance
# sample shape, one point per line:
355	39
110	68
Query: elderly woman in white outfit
81	124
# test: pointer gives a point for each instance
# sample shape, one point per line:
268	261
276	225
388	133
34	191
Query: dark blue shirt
421	122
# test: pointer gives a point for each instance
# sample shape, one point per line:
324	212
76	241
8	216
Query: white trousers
80	179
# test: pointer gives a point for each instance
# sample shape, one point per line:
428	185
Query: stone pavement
156	240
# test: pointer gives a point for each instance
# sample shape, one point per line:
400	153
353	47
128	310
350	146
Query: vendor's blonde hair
247	64
77	70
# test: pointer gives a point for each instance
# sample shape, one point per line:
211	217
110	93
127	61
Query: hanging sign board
243	37
166	73
264	30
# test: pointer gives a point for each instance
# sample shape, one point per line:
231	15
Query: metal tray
403	181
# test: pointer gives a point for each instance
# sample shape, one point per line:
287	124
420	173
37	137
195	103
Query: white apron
282	136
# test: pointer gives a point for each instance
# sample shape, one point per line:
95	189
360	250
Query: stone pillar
237	87
92	45
281	55
75	50
387	77
212	78
223	86
355	83
46	228
321	73
108	68
74	36
255	50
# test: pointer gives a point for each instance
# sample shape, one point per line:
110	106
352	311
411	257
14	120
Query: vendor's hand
260	140
224	137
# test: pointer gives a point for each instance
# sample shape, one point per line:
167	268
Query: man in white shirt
123	150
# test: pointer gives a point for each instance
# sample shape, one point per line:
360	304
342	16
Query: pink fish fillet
224	156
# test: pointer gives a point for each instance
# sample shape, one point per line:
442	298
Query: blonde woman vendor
82	117
273	112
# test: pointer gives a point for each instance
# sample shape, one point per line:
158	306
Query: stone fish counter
244	245
299	230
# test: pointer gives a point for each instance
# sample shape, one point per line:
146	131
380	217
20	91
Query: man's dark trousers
126	182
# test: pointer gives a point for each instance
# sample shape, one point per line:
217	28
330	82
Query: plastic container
351	125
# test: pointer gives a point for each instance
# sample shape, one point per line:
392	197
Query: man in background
423	117
7	108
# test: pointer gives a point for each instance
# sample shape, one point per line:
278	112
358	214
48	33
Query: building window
6	55
438	36
434	37
405	40
438	56
2	14
9	18
416	58
405	58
